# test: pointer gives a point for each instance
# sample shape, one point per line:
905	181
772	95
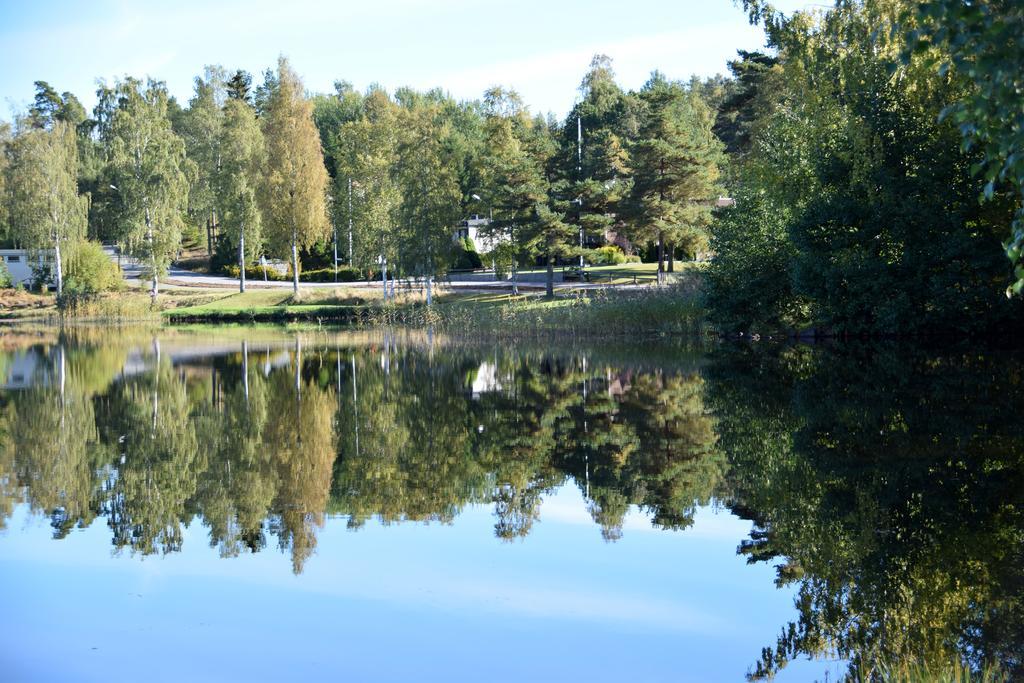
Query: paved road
188	278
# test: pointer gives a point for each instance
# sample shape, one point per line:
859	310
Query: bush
6	281
465	256
255	273
609	255
90	270
633	258
345	274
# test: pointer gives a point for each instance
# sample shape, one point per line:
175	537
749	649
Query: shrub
609	255
255	273
345	274
6	281
465	256
90	270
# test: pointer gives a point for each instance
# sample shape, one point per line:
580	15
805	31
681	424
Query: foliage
465	256
146	165
983	43
44	200
91	270
294	194
238	178
675	161
604	256
862	214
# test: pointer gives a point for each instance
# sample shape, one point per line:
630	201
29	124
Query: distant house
21	264
471	229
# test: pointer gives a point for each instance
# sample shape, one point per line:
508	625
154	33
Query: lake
253	504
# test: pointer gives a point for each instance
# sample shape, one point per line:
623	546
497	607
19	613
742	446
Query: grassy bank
673	309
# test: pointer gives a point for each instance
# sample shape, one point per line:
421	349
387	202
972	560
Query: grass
674	309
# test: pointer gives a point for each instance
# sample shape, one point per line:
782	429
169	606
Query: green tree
594	160
982	42
514	178
430	189
675	161
45	204
240	172
146	159
294	195
201	129
367	151
239	86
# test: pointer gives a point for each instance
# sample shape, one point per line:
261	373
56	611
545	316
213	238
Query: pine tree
675	170
146	160
239	86
294	196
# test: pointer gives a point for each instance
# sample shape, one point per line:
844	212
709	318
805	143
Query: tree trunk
430	290
384	278
551	276
661	257
152	256
241	261
295	262
515	277
670	255
57	265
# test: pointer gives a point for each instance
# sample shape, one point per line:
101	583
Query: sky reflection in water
450	513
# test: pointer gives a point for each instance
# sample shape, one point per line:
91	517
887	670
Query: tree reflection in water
886	484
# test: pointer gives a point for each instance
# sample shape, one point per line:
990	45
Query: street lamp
494	265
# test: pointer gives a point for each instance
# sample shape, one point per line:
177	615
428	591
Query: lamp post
490	219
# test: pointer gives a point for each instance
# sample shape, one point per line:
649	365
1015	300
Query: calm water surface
253	505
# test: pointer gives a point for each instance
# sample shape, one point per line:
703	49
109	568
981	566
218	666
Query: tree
45	205
367	155
874	223
243	159
5	144
430	189
239	86
675	169
295	192
200	128
594	160
146	160
982	42
514	178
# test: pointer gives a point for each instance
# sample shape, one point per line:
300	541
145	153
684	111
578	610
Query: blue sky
539	47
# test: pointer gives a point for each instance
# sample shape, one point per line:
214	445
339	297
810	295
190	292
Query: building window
13	259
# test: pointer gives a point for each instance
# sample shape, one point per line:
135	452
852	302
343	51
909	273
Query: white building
21	262
471	229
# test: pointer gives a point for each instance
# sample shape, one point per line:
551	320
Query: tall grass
674	310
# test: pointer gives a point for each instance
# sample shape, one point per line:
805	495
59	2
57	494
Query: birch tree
243	160
294	196
200	129
146	159
45	206
430	189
